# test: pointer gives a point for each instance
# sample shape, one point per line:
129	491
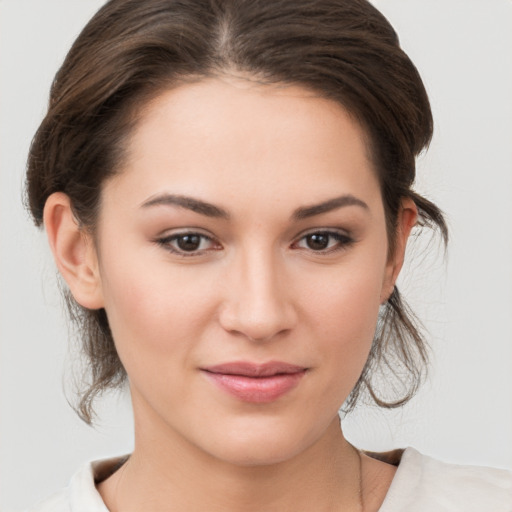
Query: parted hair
132	50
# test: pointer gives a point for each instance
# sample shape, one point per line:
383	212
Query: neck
166	473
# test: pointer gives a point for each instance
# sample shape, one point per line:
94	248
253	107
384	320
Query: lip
253	382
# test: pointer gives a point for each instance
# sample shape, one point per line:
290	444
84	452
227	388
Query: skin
256	289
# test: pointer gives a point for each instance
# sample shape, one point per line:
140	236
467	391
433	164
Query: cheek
346	302
153	311
349	320
343	316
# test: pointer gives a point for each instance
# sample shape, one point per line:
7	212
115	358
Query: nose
258	302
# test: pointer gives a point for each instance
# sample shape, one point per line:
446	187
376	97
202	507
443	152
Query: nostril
257	326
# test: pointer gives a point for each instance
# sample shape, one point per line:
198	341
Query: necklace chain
361	495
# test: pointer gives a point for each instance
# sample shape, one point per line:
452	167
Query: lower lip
257	389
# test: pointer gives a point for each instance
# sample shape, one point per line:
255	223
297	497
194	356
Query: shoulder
81	494
424	484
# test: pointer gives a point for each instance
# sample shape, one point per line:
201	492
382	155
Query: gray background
464	412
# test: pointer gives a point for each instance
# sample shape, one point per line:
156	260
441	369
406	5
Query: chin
263	445
257	453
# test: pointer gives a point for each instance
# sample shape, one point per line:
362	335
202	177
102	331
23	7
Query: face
242	259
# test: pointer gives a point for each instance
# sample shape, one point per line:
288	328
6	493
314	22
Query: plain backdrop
463	413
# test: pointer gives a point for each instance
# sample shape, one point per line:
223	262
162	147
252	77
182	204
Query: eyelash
166	243
343	241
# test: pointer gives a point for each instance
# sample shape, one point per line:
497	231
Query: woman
226	189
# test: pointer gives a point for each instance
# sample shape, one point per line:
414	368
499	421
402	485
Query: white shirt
421	484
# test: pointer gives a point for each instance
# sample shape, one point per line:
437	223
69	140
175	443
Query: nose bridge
258	305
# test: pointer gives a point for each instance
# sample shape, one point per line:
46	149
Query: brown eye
317	241
324	241
188	242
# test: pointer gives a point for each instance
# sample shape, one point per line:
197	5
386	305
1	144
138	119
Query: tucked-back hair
132	50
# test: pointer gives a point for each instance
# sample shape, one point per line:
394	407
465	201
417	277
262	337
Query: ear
73	250
407	217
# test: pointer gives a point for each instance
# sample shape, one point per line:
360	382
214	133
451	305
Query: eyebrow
327	206
210	210
196	205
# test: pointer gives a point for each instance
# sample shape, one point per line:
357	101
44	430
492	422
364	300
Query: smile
257	383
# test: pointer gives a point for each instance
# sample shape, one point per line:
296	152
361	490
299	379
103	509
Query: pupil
189	242
318	241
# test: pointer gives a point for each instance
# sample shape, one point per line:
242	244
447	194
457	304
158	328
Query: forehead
232	137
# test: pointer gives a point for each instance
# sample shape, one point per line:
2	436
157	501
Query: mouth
256	383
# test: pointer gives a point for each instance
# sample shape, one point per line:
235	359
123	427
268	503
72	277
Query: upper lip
248	369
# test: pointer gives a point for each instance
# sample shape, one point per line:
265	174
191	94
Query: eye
188	244
324	241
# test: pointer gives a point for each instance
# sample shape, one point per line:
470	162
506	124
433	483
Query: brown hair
131	50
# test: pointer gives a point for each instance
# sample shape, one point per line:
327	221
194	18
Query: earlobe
407	217
73	251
